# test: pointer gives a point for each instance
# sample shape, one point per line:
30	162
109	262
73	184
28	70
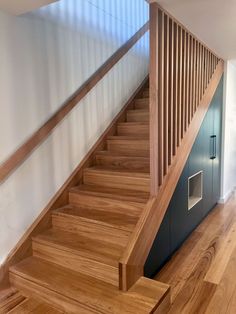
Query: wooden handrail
19	156
177	108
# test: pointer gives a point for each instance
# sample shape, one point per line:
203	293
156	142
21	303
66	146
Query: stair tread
117	172
84	246
116	220
33	305
113	193
96	295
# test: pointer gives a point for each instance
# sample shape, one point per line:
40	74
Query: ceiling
17	7
212	21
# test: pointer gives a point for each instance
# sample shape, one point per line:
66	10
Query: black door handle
213	154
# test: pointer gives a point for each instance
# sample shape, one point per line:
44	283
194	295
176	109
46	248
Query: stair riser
115	181
141	104
129	148
109	204
71	260
146	94
57	300
128	130
136	116
90	229
118	162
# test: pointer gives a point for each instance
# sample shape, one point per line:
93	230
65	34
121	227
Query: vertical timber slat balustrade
179	104
180	70
204	69
175	90
171	87
166	92
153	84
183	81
195	77
201	71
160	89
187	79
190	77
183	76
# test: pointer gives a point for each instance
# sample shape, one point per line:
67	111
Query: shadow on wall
114	21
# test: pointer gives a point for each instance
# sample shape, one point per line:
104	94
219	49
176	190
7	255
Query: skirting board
224	199
23	248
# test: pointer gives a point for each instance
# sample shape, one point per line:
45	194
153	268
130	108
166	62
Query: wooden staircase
74	267
90	259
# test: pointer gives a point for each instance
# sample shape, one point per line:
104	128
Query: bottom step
73	292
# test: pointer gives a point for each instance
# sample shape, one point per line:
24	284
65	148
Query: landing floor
202	272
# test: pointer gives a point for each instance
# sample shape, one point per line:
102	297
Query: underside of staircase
74	267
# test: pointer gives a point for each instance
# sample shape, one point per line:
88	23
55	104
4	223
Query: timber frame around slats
184	75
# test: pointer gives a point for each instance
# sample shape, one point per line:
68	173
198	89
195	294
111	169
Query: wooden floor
202	273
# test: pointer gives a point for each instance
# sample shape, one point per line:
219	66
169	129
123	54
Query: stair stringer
23	248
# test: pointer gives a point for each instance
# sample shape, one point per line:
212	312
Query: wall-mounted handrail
24	151
184	75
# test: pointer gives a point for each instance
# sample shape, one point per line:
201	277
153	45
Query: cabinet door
217	113
207	132
179	224
196	161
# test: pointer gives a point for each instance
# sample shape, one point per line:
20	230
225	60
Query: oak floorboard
224	297
202	272
222	258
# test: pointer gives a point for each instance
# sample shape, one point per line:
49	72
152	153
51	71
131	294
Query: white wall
229	132
44	57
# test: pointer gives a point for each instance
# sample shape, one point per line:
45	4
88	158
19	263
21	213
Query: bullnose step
79	293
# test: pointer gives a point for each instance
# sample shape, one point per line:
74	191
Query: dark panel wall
179	222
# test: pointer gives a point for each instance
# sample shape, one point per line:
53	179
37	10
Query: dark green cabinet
160	245
204	158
